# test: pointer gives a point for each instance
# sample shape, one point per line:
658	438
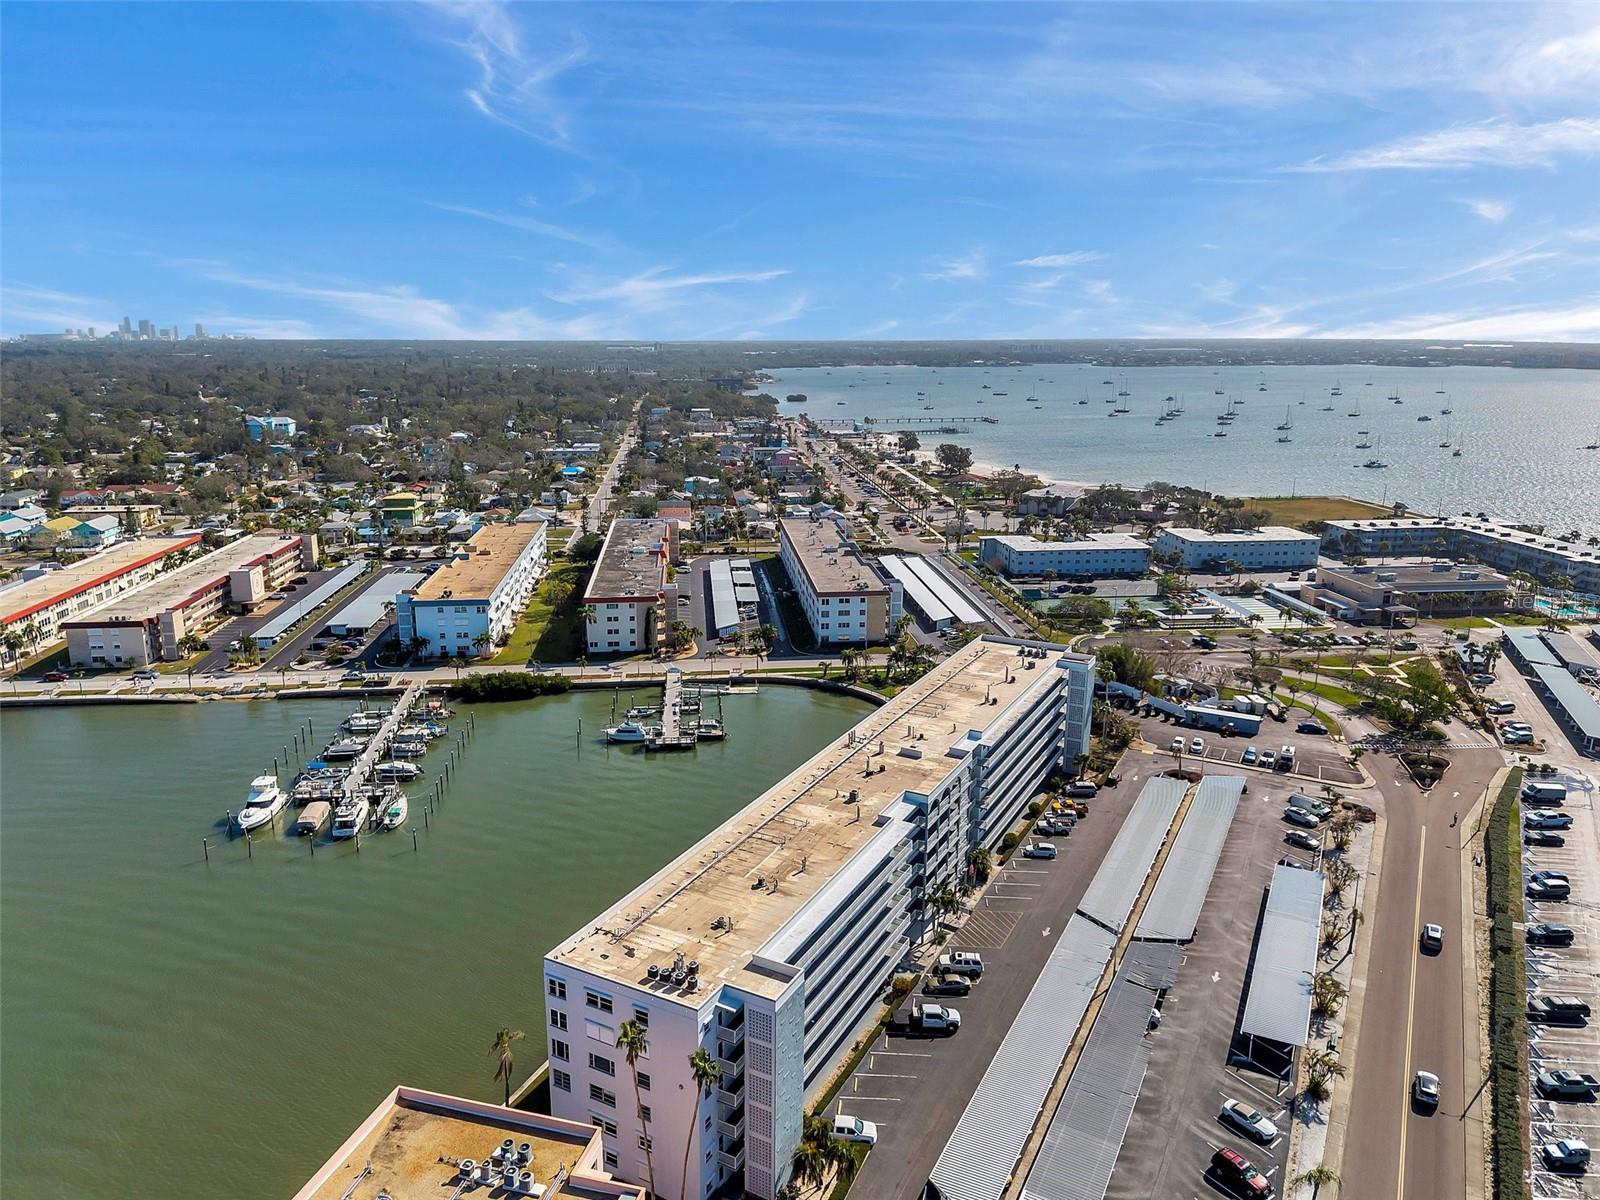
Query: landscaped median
1508	1002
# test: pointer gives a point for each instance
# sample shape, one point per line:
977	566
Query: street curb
1472	1029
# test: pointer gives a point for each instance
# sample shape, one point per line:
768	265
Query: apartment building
1098	556
150	623
631	599
843	596
768	943
1270	548
1401	592
470	604
36	606
1499	544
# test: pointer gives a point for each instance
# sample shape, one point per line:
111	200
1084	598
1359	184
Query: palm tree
1315	1178
820	1154
501	1047
633	1041
705	1072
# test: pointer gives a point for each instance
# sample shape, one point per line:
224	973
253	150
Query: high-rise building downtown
768	944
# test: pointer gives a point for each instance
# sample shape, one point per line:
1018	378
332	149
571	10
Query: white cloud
1544	65
1218	291
654	288
1098	288
528	225
1076	258
878	330
1579	322
969	266
50	311
1493	211
1493	143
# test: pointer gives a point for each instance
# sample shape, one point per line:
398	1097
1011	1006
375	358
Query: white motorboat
364	722
408	749
350	817
396	772
394	814
344	748
628	732
266	800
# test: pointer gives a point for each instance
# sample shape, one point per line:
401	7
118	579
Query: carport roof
1174	906
1573	697
1109	898
983	1150
1080	1148
1279	1006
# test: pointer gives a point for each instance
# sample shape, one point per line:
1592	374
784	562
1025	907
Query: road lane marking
1411	1011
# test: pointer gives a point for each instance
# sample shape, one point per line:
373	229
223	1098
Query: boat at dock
265	801
408	749
344	749
640	711
364	722
396	772
394	813
312	818
350	817
710	730
628	733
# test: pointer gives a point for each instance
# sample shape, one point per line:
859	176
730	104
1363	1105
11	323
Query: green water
166	1022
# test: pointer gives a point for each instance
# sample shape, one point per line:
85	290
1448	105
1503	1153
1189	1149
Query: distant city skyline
675	172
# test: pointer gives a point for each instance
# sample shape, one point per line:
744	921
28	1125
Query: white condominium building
1270	548
769	942
843	597
468	605
1499	544
1095	557
629	592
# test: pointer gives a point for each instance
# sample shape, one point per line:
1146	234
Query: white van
1541	792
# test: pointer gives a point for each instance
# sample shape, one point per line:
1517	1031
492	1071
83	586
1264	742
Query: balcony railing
730	1122
731	1059
731	1153
731	1091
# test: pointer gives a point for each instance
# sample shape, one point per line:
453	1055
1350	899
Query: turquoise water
166	1021
1522	432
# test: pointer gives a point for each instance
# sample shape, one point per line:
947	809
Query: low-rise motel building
34	608
629	594
420	1145
1499	544
1098	556
1270	548
843	596
769	943
150	623
469	605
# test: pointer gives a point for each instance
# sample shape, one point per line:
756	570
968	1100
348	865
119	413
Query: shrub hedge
1508	1006
508	685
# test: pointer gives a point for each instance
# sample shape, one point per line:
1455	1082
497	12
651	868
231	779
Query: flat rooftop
797	835
1267	533
408	1149
1501	530
30	596
172	589
1095	541
1414	575
633	560
491	553
829	559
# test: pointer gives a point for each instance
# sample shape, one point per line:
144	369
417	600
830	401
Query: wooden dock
672	735
367	761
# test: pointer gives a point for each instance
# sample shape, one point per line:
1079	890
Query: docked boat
312	818
265	801
408	749
628	733
350	817
344	749
710	730
640	711
396	772
1424	417
394	813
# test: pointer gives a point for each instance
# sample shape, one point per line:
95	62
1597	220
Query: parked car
1550	877
1197	746
1204	641
1311	804
1302	840
1482	678
1547	820
854	1129
354	675
961	962
1299	816
1247	1121
1083	789
946	985
1501	707
1040	850
1268	760
1566	1085
1425	1089
1433	937
1249	756
144	673
1549	933
55	676
1540	837
1179	744
1567	1154
925	1020
1239	1175
1558	1010
1548	889
1286	757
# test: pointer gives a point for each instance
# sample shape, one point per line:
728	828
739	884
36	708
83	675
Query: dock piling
205	845
413	839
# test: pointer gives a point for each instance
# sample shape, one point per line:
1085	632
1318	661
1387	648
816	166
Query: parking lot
1317	759
1175	1127
1566	971
916	1090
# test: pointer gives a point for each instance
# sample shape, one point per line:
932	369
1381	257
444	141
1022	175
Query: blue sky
824	171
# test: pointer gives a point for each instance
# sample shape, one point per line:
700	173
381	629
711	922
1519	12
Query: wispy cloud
1492	143
1075	258
529	225
969	266
879	329
51	310
653	288
513	85
1493	211
1577	322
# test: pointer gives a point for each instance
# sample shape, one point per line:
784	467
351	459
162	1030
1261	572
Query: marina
679	725
225	993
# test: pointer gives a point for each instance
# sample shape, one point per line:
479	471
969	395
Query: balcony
729	1020
731	1153
731	1059
730	1122
731	1091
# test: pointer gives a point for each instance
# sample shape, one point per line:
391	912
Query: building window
601	1063
558	1019
611	1160
644	1081
646	1142
560	1080
644	1112
557	988
642	1016
559	1049
600	1096
604	1124
597	1000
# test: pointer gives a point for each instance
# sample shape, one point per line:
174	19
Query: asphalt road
917	1090
1417	1006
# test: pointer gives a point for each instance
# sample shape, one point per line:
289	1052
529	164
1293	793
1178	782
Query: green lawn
1329	691
544	633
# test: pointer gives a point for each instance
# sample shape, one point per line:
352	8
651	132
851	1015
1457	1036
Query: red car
1240	1176
55	676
